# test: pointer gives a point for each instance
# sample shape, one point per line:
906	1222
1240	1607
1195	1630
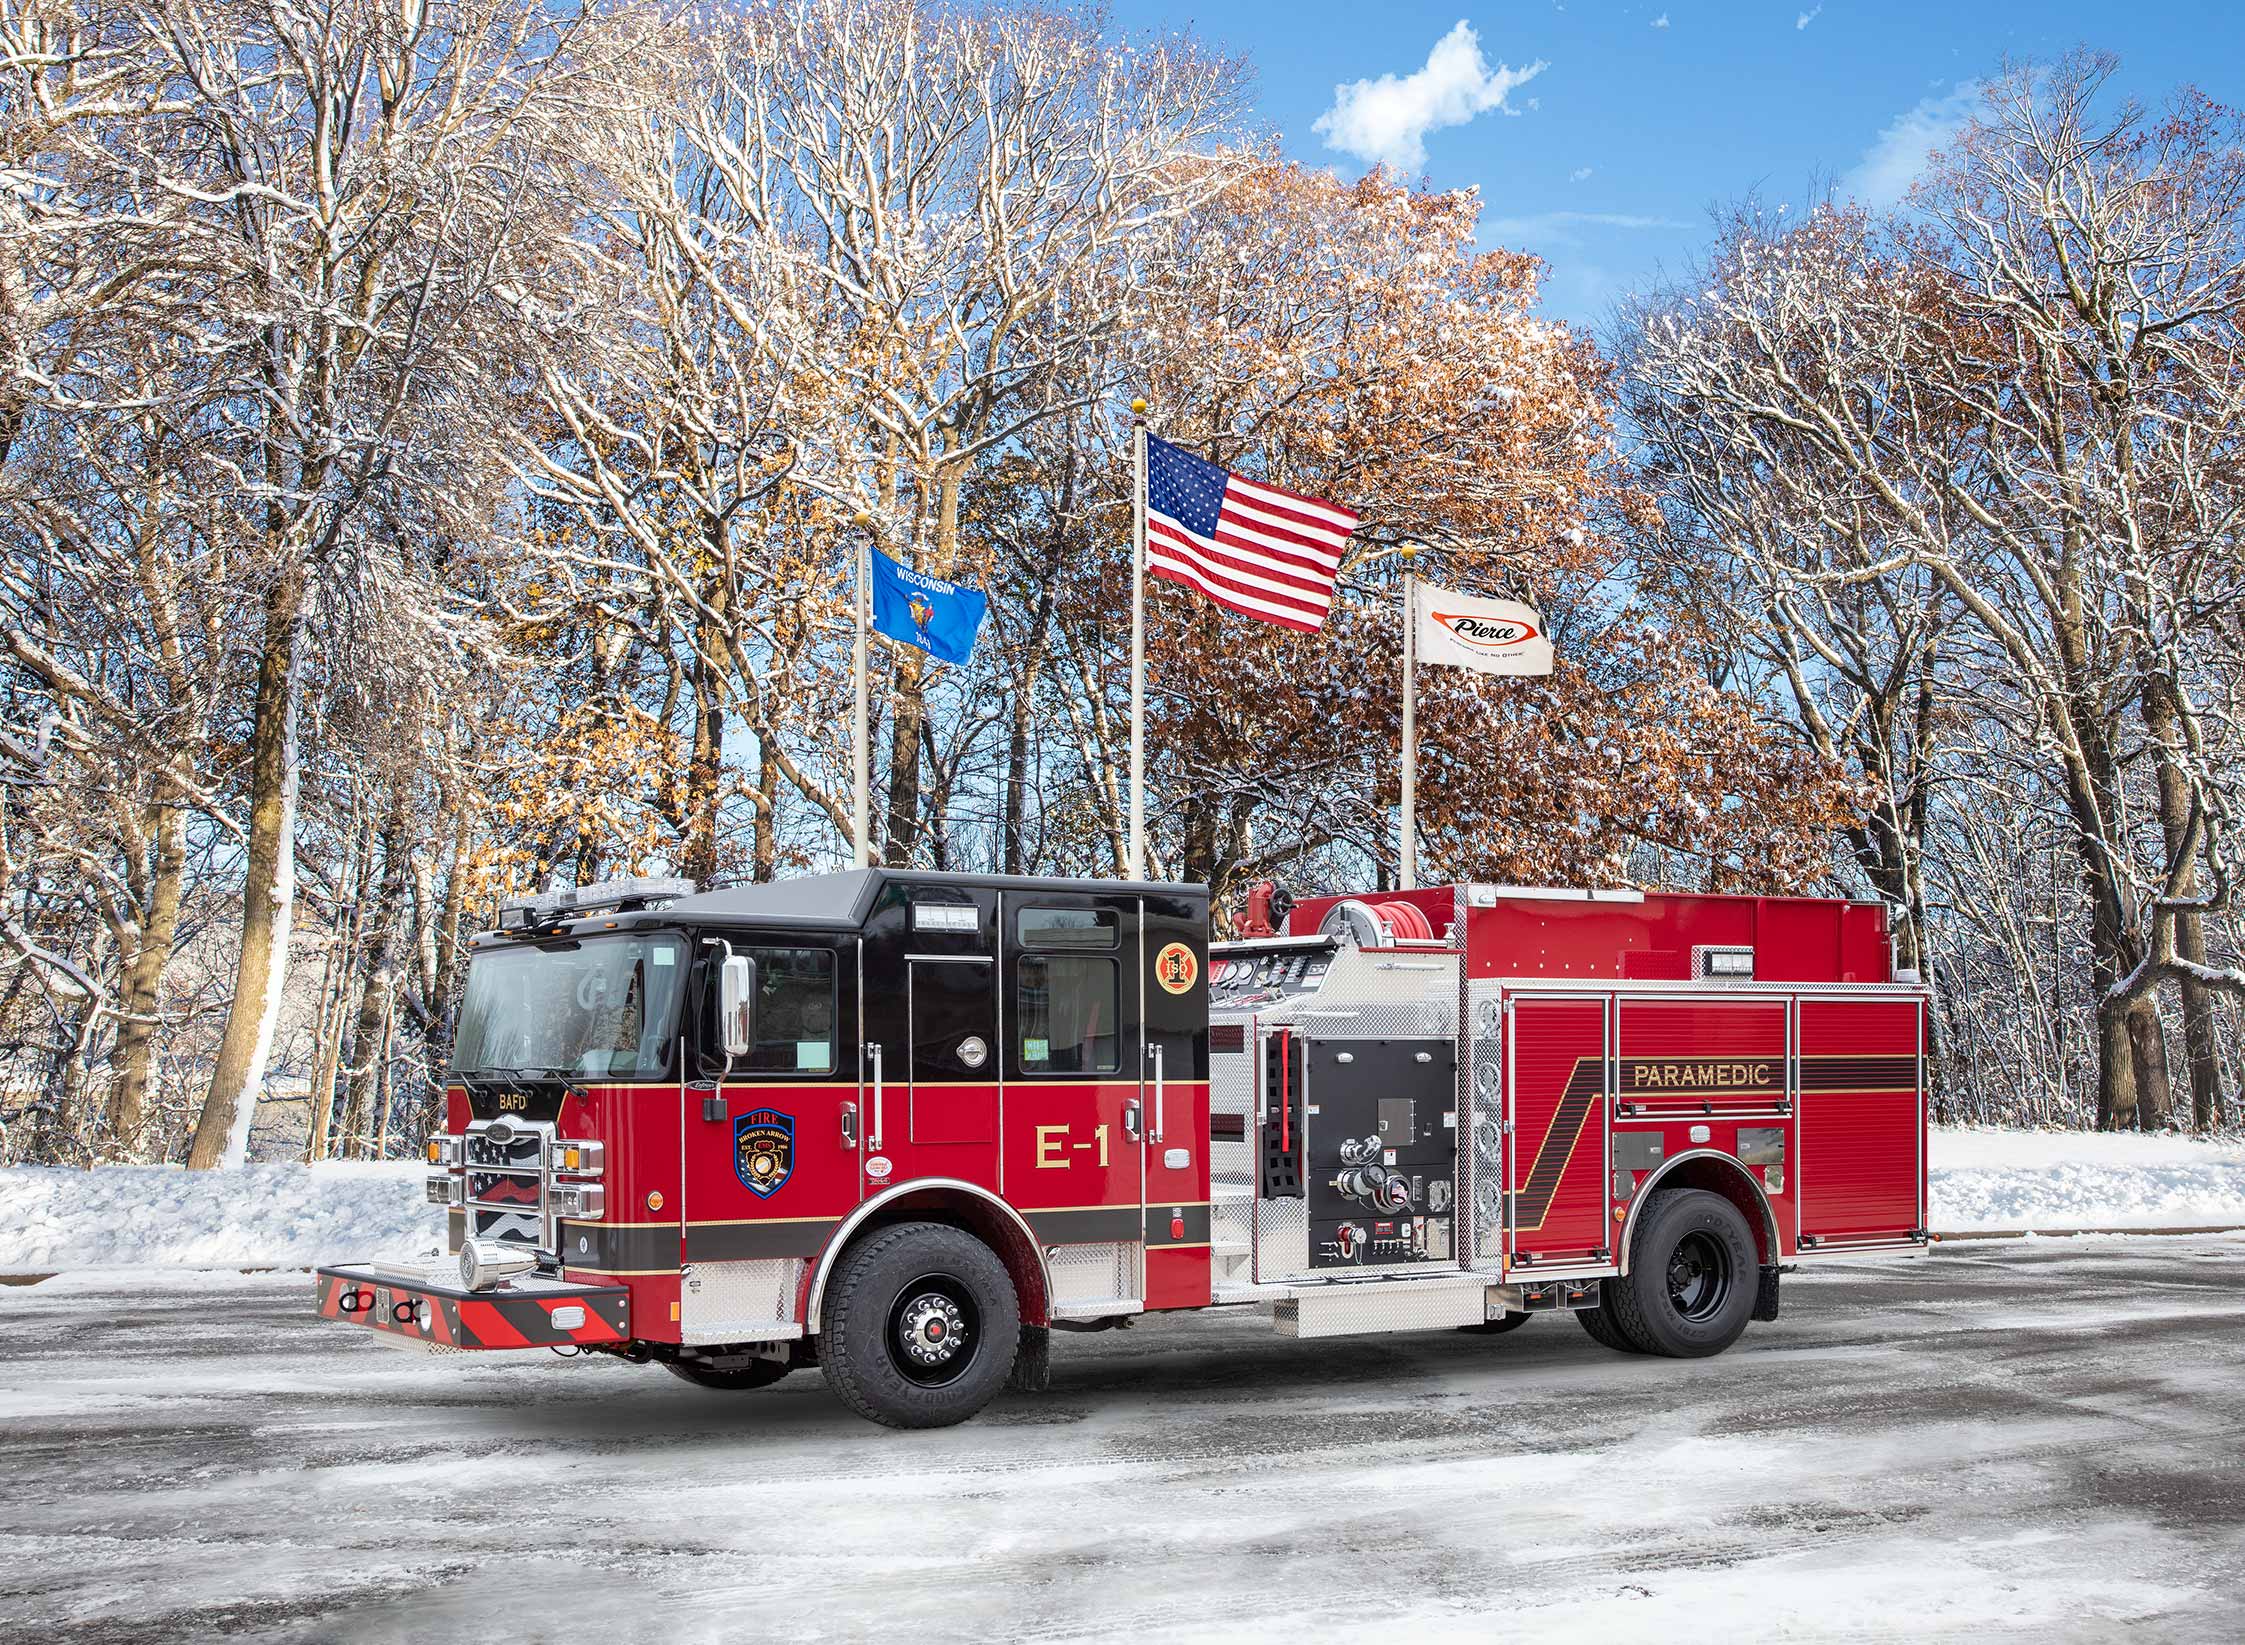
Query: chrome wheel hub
932	1330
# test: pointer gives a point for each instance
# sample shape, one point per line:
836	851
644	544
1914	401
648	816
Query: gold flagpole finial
1138	408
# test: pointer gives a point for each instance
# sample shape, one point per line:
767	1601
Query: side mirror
736	1005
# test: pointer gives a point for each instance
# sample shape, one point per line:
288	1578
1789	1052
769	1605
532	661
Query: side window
794	1012
1068	928
1069	1007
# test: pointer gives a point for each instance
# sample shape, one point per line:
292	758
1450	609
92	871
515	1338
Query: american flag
1253	548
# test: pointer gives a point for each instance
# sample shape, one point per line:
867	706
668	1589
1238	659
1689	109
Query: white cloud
1890	165
1661	21
1808	17
1581	174
1561	229
1386	120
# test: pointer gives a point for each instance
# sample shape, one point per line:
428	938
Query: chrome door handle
849	1125
1130	1120
873	1136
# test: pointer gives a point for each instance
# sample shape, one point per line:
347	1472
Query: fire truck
902	1126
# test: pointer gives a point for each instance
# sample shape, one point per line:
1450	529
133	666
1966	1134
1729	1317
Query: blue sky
1605	160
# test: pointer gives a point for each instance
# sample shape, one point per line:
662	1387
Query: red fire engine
902	1126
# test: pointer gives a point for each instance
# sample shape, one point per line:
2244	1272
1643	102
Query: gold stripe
758	1222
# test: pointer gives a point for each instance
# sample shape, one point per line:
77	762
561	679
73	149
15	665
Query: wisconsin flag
939	617
1494	636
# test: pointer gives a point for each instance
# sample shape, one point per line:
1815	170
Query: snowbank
2077	1179
259	1216
291	1216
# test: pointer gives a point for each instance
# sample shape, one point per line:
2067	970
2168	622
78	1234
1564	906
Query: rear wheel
921	1326
1599	1323
1692	1274
757	1373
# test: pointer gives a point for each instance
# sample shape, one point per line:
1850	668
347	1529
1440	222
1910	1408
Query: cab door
1076	1084
932	1090
771	1141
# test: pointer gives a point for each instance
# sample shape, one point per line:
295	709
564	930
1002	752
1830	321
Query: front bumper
407	1305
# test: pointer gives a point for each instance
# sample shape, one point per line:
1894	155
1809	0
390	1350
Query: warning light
654	1199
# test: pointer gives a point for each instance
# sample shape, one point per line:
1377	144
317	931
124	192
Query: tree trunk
2147	1046
370	1040
2201	1043
902	824
268	887
135	1053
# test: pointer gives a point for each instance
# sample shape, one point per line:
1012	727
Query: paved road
2021	1441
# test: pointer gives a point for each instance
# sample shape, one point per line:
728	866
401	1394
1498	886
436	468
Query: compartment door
1558	1079
1862	1121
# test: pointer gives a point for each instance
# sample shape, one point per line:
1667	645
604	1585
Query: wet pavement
2020	1440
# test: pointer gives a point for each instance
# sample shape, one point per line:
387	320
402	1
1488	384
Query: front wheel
1692	1275
921	1326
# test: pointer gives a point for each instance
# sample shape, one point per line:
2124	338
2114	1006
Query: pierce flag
1493	636
939	617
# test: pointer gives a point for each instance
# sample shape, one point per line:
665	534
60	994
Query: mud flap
1032	1361
1765	1295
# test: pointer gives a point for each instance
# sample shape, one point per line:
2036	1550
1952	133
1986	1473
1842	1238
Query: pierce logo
1486	633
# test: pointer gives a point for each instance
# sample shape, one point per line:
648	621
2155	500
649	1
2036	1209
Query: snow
2081	1179
255	1216
293	1216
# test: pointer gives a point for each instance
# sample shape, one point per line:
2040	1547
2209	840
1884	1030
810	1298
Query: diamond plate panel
1084	1273
1397	1305
740	1301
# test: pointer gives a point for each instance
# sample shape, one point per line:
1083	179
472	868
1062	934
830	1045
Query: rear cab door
1074	1161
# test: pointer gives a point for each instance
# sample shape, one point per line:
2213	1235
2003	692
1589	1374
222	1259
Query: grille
506	1181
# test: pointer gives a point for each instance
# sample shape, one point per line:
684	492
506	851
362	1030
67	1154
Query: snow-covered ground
261	1216
290	1216
2079	1179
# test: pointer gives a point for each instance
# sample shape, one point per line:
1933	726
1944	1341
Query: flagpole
1408	871
861	847
1137	864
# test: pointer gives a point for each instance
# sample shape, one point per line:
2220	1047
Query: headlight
485	1262
444	1150
446	1189
579	1202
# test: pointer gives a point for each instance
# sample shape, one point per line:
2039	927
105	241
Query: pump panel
1380	1154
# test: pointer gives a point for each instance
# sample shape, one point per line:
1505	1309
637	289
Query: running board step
1358	1310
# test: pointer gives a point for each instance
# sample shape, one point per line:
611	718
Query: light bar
1726	962
643	890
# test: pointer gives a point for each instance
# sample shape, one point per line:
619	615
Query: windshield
603	1009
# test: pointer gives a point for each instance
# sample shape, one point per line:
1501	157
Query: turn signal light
585	1159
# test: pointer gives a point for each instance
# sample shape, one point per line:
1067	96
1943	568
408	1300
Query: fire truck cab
902	1125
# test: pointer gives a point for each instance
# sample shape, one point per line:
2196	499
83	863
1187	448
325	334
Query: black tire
761	1373
1692	1276
1599	1323
1497	1327
921	1326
